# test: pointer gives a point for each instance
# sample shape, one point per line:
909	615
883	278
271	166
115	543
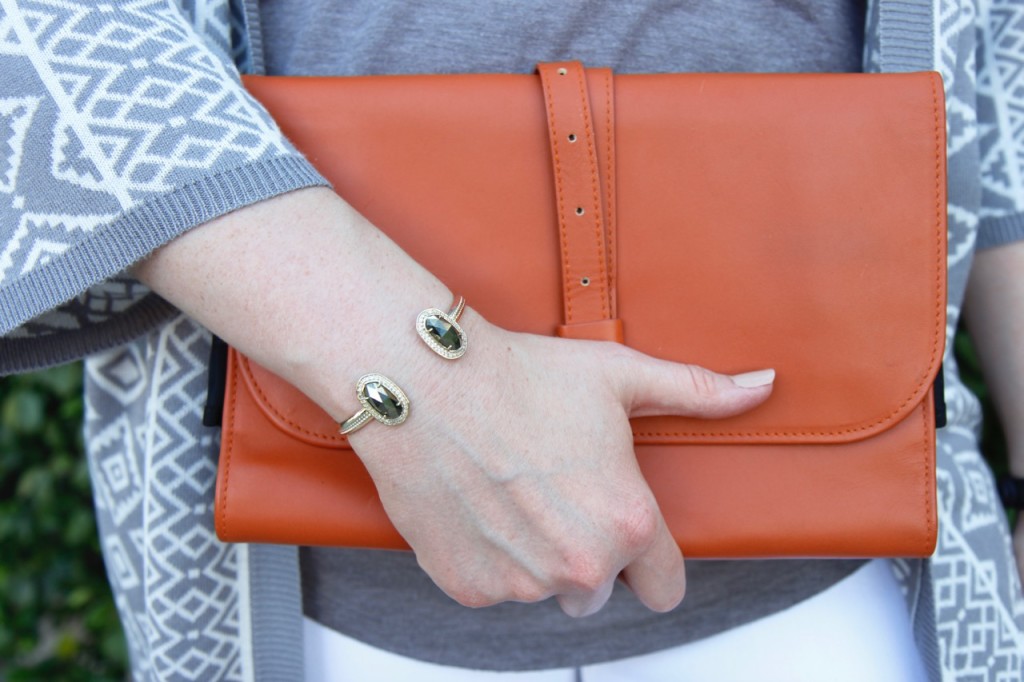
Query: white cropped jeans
856	630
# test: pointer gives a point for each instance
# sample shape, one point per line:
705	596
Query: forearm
305	286
994	311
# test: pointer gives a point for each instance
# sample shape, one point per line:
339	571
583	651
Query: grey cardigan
125	126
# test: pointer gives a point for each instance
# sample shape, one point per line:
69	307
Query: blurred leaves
57	617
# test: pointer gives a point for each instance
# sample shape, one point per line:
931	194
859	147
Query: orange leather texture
786	221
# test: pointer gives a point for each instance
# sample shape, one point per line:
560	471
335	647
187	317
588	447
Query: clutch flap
786	221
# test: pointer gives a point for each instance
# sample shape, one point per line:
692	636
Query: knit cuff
994	232
39	333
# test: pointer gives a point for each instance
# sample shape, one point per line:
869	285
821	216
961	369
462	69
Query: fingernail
762	377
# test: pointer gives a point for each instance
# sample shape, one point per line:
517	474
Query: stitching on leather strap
609	191
595	189
927	478
228	448
566	110
559	198
940	327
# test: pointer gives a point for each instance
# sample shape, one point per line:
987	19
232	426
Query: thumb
652	387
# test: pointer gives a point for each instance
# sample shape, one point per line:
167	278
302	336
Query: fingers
658	577
652	387
653	564
580	605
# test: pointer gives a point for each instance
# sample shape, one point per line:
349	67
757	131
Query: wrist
384	401
442	393
378	338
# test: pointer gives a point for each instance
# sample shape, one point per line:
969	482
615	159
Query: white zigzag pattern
129	102
171	447
39	234
955	16
115	132
962	123
963	228
16	115
208	21
976	630
1003	84
73	134
181	608
9	43
979	634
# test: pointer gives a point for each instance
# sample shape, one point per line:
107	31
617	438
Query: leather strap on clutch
585	236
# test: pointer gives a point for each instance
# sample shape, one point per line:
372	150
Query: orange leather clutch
792	221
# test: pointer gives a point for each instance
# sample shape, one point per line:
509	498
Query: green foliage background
57	618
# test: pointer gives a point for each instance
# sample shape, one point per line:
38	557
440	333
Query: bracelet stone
382	400
441	330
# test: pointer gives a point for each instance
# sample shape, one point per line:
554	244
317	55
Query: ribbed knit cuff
906	32
116	246
994	232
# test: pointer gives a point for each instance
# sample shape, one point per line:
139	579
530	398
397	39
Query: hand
515	476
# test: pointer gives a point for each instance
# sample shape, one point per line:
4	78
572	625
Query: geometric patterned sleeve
121	127
1000	58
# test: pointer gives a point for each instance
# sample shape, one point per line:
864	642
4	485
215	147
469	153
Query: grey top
383	598
364	37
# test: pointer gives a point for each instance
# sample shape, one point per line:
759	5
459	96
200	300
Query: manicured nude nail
756	379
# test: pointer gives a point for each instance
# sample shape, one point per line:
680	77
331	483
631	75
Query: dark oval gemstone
382	400
443	332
